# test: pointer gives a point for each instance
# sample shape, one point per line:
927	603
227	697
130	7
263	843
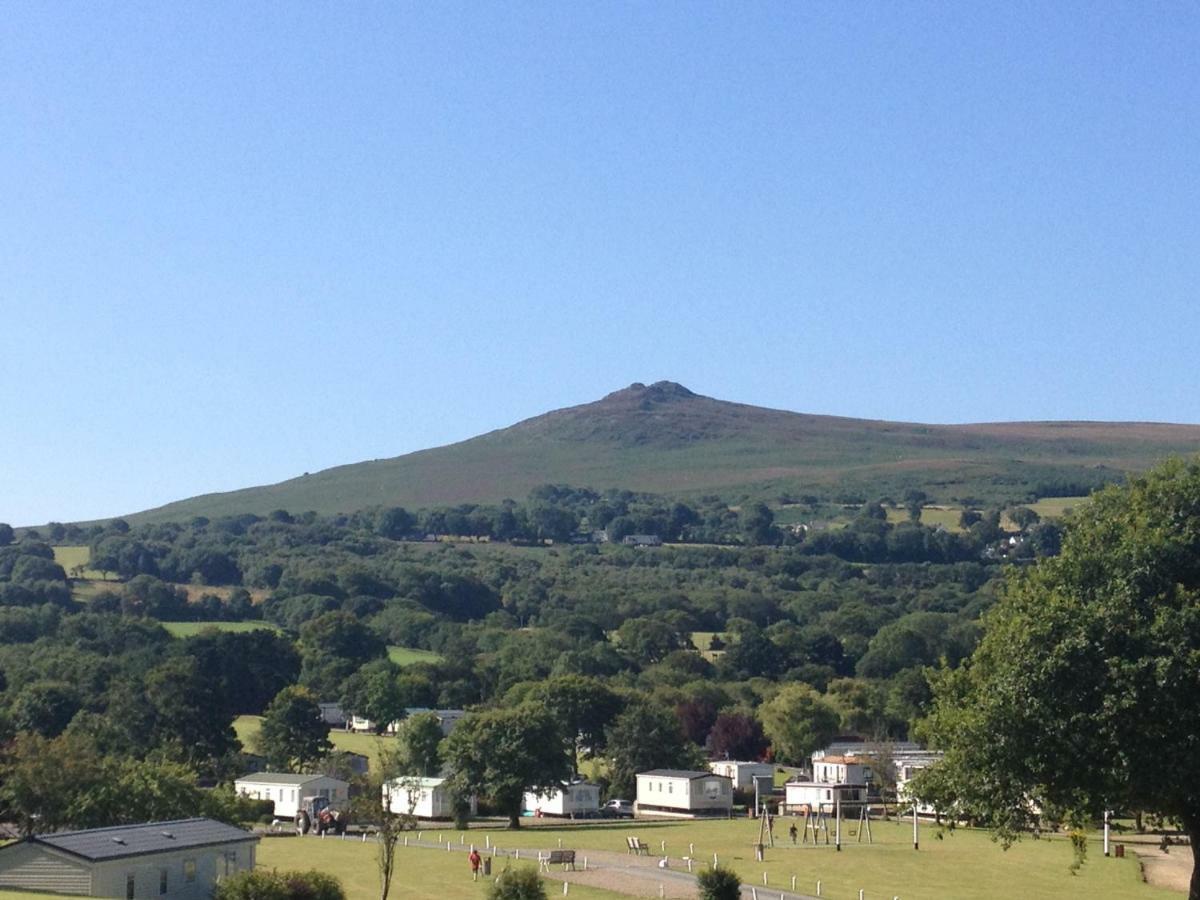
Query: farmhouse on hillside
581	798
177	860
425	798
288	791
679	792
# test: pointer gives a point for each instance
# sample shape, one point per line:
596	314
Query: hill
663	438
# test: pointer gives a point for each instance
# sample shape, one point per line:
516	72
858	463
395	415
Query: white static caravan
804	796
177	860
581	798
683	793
742	773
288	791
425	798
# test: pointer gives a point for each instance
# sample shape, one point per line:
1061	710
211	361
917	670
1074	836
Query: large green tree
798	721
1084	693
646	736
293	734
503	753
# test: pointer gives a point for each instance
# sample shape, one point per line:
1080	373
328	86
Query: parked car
618	809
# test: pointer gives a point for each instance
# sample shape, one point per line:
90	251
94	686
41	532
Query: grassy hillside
665	439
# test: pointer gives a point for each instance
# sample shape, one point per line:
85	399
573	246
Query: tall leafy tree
798	721
293	734
1088	668
503	753
646	736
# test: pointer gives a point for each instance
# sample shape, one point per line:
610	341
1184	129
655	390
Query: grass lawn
406	656
420	873
369	745
963	865
187	629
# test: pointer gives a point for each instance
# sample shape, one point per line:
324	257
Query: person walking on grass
475	859
792	832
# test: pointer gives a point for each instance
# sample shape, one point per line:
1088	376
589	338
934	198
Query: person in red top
475	860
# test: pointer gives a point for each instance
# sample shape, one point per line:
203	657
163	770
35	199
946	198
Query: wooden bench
562	858
636	846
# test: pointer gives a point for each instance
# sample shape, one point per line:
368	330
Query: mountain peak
659	392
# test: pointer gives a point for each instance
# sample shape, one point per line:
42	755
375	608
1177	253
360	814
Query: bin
487	865
1119	851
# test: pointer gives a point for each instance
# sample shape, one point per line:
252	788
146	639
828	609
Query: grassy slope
965	865
666	440
370	745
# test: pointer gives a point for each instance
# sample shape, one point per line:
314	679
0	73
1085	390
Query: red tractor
316	814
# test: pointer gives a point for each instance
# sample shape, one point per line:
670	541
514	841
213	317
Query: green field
369	745
421	874
1056	507
70	557
963	865
406	656
933	516
187	629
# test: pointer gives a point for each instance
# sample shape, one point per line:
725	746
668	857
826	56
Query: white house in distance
425	798
288	791
679	792
836	779
842	770
742	773
802	796
569	800
177	860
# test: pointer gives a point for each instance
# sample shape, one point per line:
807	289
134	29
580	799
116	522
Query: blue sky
240	241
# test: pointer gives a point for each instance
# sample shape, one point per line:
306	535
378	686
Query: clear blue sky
241	241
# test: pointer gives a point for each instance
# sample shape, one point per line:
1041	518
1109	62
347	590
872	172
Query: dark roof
119	841
682	773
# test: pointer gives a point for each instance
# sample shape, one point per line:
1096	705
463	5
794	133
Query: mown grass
421	874
962	865
369	745
407	656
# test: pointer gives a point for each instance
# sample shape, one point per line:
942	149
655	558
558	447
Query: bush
516	884
719	883
262	885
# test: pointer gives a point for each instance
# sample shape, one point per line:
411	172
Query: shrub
517	884
719	883
262	885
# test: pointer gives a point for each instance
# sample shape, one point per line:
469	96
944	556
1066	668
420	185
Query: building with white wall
742	773
176	860
680	792
425	798
288	791
581	798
